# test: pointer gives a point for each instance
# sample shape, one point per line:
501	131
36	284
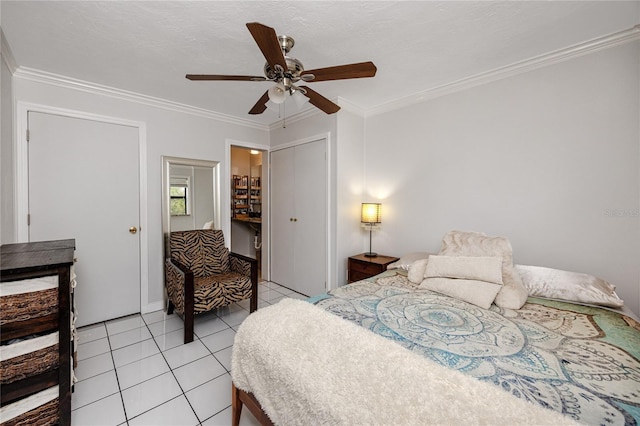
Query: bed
387	350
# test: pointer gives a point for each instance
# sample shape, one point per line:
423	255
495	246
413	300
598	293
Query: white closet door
310	245
298	217
84	184
282	214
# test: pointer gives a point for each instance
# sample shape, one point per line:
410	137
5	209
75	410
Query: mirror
190	195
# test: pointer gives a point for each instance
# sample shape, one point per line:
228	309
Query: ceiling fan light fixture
299	99
272	106
278	93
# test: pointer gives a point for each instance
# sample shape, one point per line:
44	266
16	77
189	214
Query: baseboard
152	307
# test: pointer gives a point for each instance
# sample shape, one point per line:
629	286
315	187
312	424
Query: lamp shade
277	94
371	213
299	99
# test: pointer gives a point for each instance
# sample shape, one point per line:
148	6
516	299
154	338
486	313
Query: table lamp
371	216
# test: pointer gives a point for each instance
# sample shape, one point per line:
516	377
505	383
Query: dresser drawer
33	301
38	409
357	276
362	267
29	357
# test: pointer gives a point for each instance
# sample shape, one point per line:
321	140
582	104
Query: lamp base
370	254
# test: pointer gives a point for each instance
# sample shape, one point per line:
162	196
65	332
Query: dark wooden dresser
36	346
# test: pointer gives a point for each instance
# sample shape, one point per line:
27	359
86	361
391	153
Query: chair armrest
249	267
243	264
179	283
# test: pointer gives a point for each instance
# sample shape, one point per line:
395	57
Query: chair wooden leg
170	308
253	304
236	405
188	326
188	308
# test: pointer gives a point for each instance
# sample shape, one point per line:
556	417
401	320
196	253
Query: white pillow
570	286
416	271
513	293
481	268
405	261
479	293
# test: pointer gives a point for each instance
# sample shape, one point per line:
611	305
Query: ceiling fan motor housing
294	69
286	43
294	66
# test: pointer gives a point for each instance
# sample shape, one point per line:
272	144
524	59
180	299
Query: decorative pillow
569	286
481	268
405	261
479	293
513	294
416	271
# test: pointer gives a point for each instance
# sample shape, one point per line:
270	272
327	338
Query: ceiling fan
286	71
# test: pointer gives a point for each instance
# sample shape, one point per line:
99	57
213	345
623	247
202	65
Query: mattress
581	361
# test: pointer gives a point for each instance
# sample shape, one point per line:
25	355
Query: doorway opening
247	193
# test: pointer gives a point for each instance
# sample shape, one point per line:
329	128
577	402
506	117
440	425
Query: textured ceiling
147	47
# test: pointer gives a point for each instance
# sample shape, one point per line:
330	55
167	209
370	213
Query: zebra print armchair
201	274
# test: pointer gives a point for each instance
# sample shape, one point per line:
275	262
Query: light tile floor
136	370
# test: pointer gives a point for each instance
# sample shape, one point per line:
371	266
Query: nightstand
361	266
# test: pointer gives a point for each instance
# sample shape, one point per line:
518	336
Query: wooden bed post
240	397
236	405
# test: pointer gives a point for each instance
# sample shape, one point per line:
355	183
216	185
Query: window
179	197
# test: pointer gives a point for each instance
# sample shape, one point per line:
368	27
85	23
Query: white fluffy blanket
306	366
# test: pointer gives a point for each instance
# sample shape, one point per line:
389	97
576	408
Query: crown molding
585	48
7	54
351	107
591	46
98	89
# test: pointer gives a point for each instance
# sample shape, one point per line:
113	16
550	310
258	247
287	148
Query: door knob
133	229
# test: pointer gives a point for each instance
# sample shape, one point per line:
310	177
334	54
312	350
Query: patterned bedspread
581	361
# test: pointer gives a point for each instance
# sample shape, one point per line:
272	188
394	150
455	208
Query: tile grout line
115	370
174	375
218	361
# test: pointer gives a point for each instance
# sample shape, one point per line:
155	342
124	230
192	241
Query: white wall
168	132
549	159
7	232
350	186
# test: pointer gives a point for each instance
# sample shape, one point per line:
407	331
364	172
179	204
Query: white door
282	211
84	184
299	217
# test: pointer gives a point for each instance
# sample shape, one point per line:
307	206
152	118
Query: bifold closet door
282	208
84	184
299	217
